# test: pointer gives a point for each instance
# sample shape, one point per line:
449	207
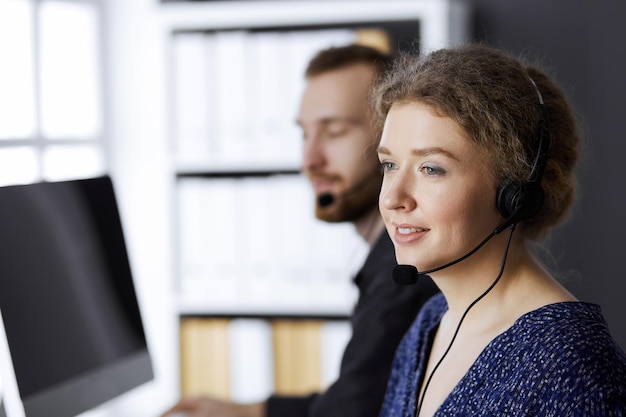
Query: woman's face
438	197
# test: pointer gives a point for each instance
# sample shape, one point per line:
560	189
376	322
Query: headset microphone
408	274
405	274
325	200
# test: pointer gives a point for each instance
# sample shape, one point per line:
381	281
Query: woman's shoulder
574	334
564	354
571	320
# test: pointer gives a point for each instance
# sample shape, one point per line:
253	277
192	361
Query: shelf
264	311
258	298
253	266
246	239
235	169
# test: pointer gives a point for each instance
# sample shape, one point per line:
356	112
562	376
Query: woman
478	152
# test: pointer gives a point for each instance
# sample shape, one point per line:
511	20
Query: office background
581	40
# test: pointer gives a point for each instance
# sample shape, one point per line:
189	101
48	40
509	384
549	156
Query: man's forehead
330	120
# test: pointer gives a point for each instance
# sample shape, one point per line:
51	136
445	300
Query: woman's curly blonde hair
491	96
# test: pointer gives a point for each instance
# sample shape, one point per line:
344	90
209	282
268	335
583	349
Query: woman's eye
387	166
431	170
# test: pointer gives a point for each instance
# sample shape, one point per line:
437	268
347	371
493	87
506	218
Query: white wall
137	147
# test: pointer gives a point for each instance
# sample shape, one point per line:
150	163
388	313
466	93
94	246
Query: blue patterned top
558	360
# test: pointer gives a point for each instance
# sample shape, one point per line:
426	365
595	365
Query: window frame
37	141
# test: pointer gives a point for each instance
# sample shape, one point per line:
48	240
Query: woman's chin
405	260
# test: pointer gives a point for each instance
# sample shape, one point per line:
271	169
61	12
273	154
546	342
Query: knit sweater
558	360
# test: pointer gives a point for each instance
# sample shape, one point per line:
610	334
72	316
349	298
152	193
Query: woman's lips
405	234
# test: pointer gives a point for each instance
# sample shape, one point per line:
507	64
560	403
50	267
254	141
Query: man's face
339	142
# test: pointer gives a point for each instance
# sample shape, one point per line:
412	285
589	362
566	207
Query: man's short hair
343	56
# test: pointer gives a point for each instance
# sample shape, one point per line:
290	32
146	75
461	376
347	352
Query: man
340	160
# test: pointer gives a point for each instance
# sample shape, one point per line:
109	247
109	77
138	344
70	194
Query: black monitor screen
67	297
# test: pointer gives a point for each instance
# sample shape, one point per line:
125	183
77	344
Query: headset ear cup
519	202
532	200
506	199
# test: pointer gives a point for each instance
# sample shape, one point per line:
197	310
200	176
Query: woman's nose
397	192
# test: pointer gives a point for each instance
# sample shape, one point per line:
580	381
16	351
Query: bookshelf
252	265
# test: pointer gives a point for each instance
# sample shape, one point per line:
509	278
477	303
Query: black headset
515	201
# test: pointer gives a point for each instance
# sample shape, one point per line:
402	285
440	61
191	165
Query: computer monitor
67	297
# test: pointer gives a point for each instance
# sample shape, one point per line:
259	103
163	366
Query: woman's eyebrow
421	152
